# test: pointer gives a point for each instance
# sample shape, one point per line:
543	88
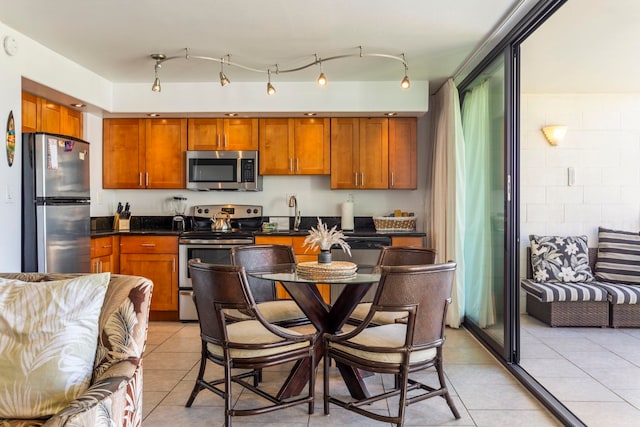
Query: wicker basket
390	223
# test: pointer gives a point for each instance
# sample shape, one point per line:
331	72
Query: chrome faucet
293	203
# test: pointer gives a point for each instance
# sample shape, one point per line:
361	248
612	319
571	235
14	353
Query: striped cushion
622	294
618	256
552	292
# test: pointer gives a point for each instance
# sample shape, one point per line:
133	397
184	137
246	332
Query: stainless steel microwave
223	170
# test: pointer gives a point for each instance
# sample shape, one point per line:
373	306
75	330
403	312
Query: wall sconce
554	134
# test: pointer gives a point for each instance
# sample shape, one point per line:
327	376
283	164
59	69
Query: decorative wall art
11	138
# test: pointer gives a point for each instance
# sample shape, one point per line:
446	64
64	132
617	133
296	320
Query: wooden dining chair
248	345
264	259
401	349
393	255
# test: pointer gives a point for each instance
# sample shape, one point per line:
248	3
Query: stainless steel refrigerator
56	221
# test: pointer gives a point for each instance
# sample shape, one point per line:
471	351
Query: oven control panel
234	211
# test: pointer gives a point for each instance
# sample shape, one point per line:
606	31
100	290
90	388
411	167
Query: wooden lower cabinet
417	242
105	255
154	257
301	256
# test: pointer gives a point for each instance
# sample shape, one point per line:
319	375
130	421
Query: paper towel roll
347	216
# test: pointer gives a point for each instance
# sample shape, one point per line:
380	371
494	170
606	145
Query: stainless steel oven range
234	226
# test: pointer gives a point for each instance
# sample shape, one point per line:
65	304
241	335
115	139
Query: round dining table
324	317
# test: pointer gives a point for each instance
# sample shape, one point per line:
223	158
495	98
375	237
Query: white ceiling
114	38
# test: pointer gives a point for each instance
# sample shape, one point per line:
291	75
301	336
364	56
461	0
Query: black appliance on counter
212	246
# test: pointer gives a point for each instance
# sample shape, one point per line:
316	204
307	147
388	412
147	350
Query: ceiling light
405	83
554	134
78	105
153	115
270	89
159	57
321	80
230	114
223	78
310	114
390	114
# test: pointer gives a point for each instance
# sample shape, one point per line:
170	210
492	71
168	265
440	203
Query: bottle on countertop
347	214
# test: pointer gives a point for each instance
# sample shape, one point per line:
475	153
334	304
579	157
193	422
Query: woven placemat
334	270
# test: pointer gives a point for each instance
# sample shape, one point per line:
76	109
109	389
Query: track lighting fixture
321	80
159	57
223	78
270	89
405	83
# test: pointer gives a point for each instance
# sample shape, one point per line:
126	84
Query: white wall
602	145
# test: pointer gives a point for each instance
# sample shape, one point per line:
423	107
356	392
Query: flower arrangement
324	238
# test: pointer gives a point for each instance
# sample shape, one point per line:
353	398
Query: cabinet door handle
146	179
356	177
139	179
106	246
290	164
224	141
362	179
392	179
297	164
218	140
99	267
148	245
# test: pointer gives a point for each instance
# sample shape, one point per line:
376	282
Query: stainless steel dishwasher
365	251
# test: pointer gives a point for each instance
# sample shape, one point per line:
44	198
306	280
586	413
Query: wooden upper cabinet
144	153
374	153
295	146
50	113
402	153
70	122
312	144
223	134
165	147
123	153
345	137
42	115
359	153
276	153
30	116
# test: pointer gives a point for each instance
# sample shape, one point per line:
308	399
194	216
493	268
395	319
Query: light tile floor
595	372
483	391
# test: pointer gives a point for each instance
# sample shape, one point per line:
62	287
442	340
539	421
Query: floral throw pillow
560	259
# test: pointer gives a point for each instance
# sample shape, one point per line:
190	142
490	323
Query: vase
324	257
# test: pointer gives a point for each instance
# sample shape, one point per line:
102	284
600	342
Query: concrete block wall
602	145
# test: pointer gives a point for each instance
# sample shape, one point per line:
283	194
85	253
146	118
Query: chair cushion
253	332
280	310
560	259
48	342
273	311
392	335
622	294
618	256
380	318
552	292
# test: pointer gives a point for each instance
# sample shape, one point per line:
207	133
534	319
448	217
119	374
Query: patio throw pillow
48	342
560	259
618	256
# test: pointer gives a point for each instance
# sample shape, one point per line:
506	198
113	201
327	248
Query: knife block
120	224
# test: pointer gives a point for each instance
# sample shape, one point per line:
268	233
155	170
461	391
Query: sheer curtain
446	201
478	243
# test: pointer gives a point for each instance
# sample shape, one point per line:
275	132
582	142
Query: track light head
159	57
405	83
270	89
322	79
223	79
